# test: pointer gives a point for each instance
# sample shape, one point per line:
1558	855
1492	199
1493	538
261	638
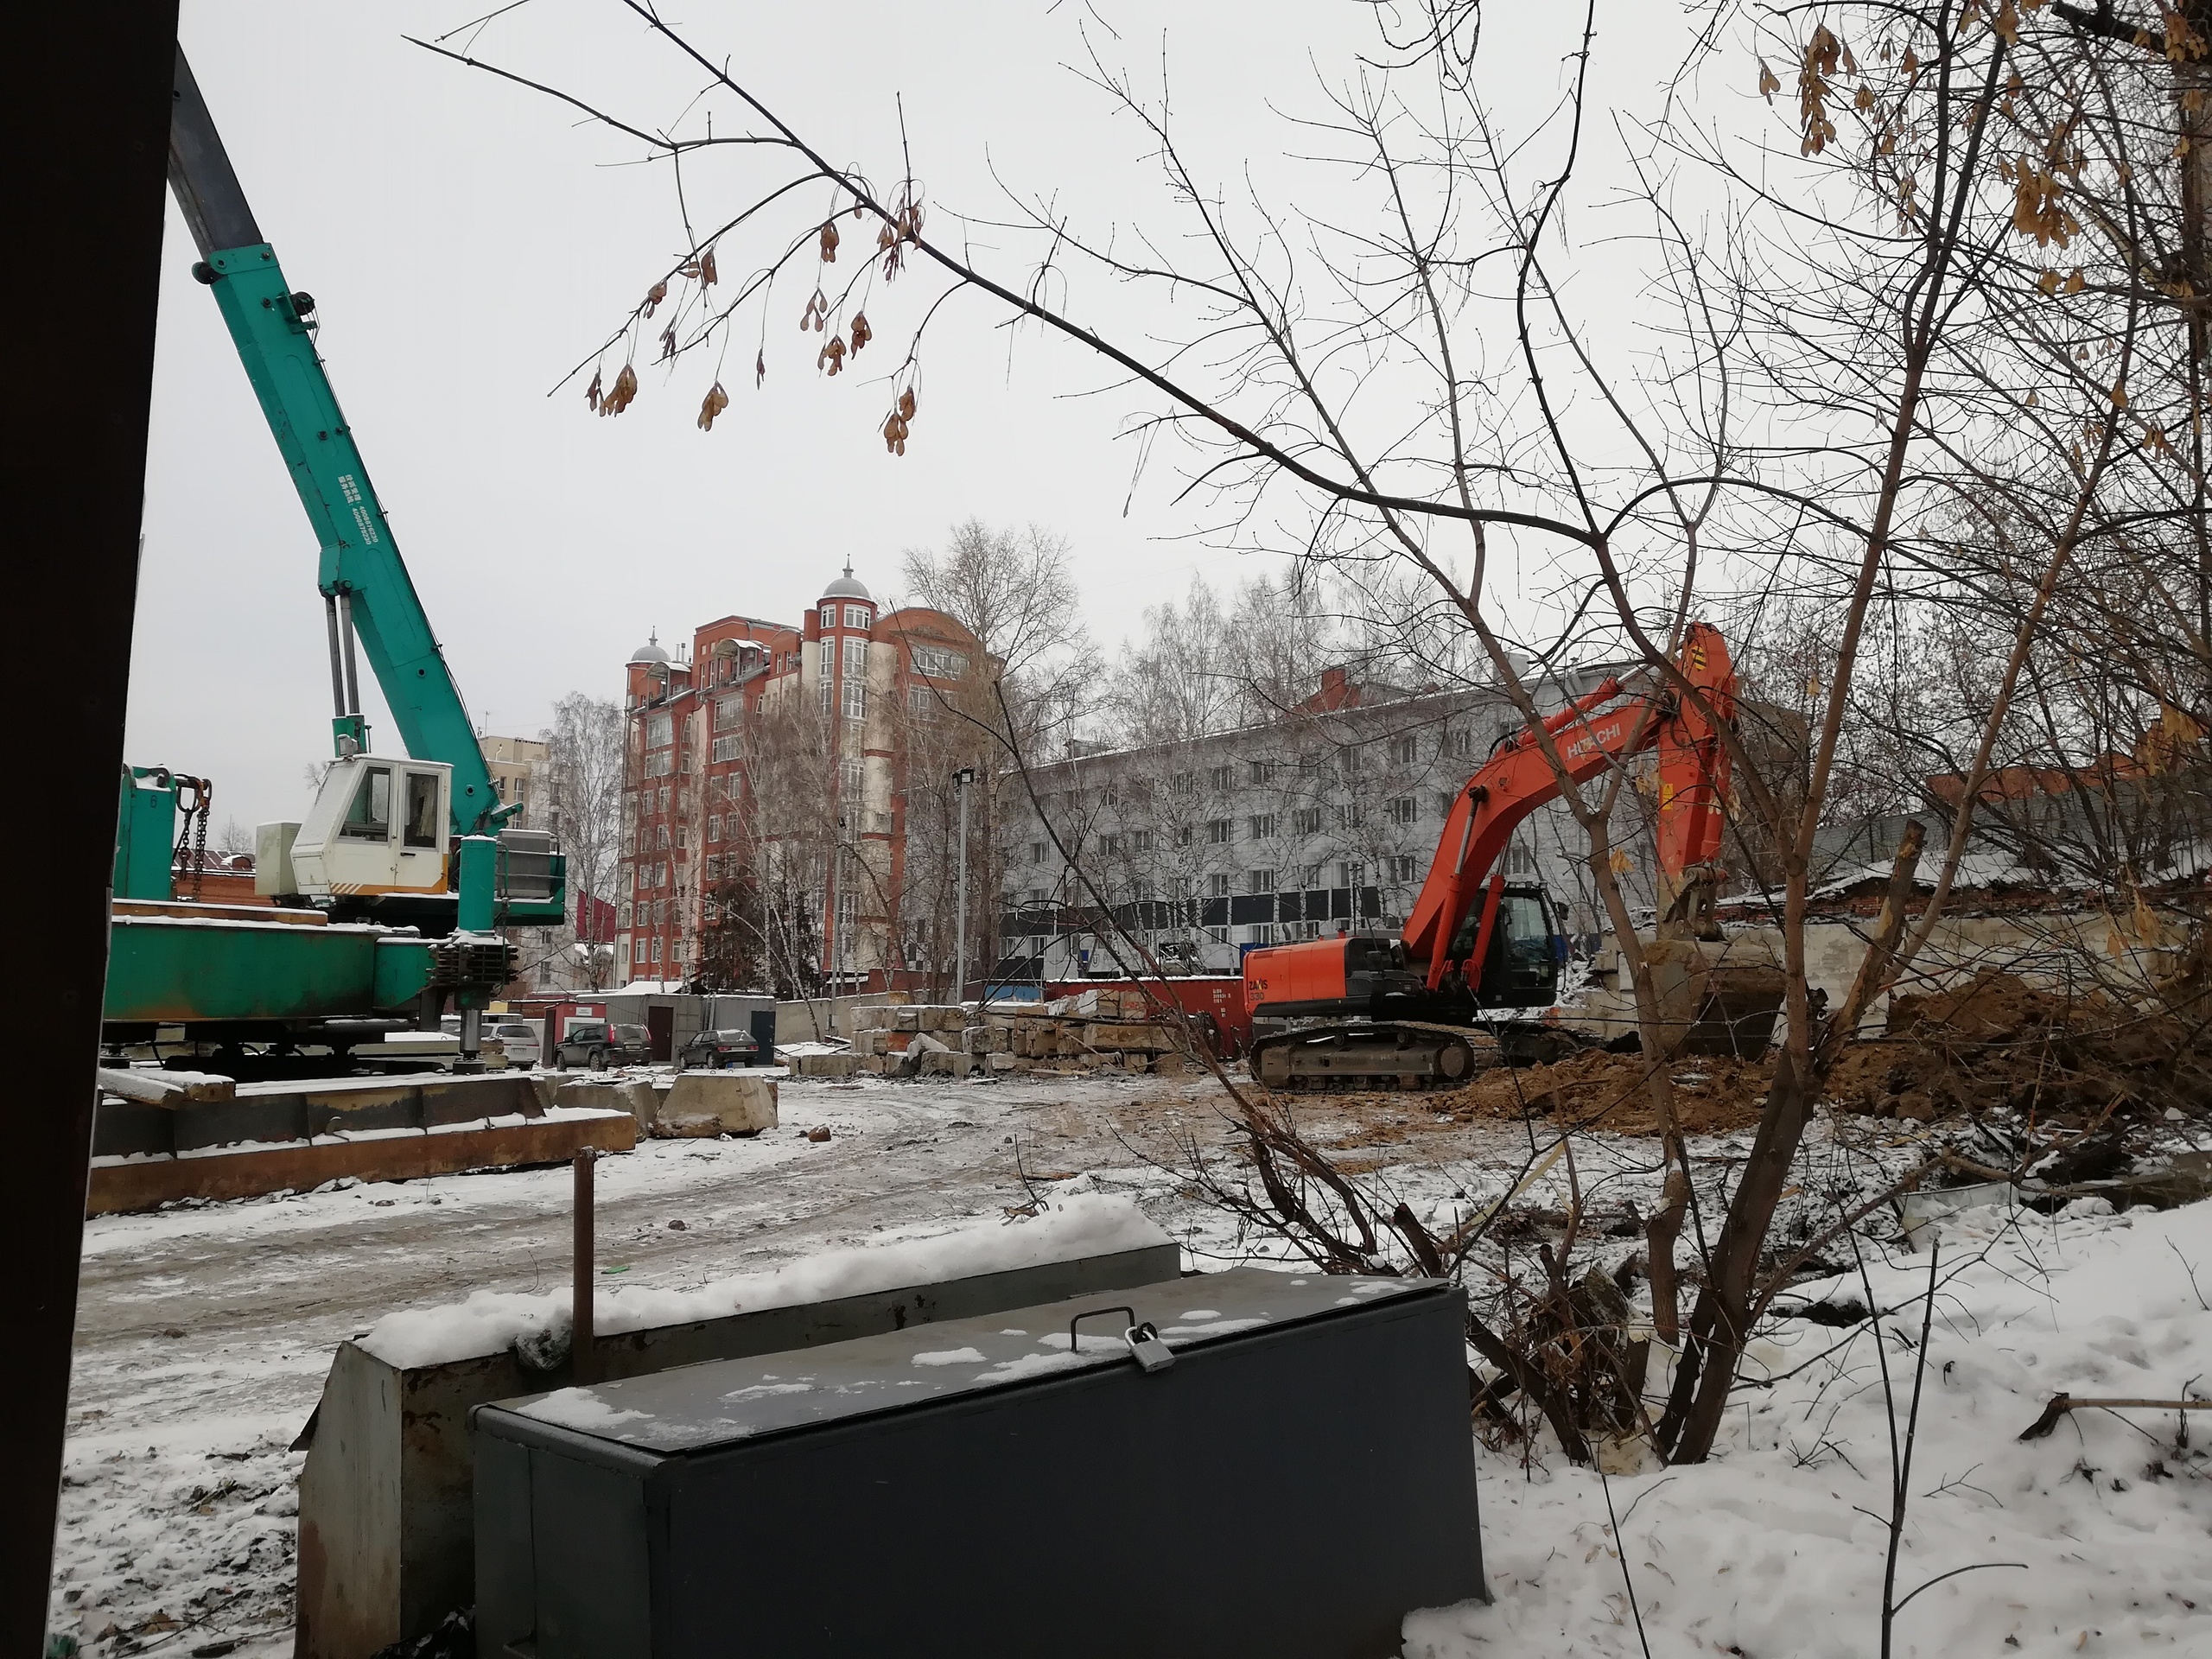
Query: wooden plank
186	910
167	1088
251	1172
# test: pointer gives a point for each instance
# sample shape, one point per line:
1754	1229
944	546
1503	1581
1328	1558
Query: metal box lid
698	1408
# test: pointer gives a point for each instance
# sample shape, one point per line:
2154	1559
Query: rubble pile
1998	1044
1096	1031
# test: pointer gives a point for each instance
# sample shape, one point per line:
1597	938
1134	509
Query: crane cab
377	827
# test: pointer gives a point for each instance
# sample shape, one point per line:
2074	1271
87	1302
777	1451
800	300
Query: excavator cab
1520	968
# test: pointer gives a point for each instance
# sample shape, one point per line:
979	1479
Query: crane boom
363	579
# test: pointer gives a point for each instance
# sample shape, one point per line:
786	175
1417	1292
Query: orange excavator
1368	1011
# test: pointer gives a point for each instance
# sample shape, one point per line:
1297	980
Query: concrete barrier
387	1534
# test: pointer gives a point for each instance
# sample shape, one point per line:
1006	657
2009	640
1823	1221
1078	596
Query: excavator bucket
1718	997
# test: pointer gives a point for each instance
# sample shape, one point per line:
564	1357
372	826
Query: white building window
852	780
730	749
659	765
828	616
856	616
939	662
656	949
1262	826
1402	809
637	948
1260	880
855	678
660	730
728	712
1350	875
1403	870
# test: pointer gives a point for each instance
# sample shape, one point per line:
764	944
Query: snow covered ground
204	1335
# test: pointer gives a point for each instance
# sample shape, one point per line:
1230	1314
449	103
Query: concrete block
387	1512
1128	1036
702	1104
999	1063
871	1065
941	1016
827	1066
876	1017
943	1062
922	1043
868	1041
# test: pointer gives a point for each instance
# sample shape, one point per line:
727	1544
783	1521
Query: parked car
714	1049
595	1043
519	1040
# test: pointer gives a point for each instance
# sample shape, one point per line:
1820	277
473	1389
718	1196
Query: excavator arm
365	586
1597	731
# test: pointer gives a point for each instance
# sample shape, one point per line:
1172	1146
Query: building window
939	662
1180	887
855	678
1351	875
1222	778
856	616
1262	826
622	916
1307	821
1217	829
1260	881
1405	750
921	702
660	836
637	948
1348	817
1309	876
1036	852
656	947
1462	745
1519	861
828	616
1183	783
1141	841
728	712
1402	871
1217	886
1402	810
1347	759
852	779
1309	765
1445	801
679	834
1260	771
664	797
1183	834
1113	845
660	730
661	764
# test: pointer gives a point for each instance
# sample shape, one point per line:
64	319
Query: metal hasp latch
1144	1344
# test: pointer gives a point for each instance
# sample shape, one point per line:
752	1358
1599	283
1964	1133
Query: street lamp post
961	780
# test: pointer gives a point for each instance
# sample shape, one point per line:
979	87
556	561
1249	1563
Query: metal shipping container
1286	1469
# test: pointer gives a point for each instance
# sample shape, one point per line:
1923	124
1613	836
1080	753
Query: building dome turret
649	654
848	587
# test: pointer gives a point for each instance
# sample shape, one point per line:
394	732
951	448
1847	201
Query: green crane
366	588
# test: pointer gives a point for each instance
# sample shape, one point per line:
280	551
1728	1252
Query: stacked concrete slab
1097	1031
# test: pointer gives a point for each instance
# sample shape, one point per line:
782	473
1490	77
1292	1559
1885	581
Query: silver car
518	1039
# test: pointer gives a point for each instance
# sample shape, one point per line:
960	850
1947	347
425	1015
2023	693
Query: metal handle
1092	1313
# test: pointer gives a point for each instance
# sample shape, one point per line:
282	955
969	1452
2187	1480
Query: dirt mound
1598	1091
1999	1043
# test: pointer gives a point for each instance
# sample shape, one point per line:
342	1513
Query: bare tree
584	747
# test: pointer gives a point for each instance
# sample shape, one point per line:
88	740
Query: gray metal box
1296	1482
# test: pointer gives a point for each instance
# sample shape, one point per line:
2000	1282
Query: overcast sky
467	241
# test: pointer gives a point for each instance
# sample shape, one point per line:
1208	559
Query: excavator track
1373	1055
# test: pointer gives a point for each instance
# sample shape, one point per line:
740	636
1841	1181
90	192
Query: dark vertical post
582	1367
88	130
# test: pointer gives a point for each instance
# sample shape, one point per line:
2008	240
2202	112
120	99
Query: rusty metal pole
581	1368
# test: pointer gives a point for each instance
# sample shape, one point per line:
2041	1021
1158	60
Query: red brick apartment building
785	751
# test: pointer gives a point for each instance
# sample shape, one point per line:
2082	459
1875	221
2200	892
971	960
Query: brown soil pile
1998	1043
1598	1091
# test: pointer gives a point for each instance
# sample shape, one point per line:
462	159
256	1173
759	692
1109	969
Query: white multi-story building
1326	818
